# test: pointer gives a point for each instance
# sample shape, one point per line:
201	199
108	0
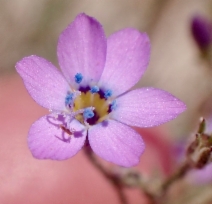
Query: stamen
108	93
113	105
67	120
69	100
78	78
94	89
77	112
55	114
88	113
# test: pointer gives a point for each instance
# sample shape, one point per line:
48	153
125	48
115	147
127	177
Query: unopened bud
202	125
202	31
199	151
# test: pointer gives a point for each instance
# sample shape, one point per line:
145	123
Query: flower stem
112	178
197	156
181	172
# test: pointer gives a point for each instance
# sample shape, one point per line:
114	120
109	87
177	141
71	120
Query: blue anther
78	78
94	89
108	93
88	113
69	99
113	105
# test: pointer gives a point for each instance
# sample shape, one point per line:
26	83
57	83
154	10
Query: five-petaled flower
91	97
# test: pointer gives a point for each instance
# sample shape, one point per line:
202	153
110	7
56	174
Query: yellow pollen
88	99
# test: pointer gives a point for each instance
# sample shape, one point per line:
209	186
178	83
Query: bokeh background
32	27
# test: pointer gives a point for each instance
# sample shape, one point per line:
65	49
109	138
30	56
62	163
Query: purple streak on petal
43	81
82	49
47	140
128	54
116	142
147	107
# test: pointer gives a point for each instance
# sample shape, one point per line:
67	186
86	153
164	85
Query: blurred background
178	65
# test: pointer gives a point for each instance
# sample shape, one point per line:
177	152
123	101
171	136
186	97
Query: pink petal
47	140
128	54
147	107
116	142
43	81
82	49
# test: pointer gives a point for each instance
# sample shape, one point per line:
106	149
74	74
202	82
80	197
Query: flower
91	98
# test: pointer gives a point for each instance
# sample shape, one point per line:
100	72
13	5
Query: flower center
89	105
89	99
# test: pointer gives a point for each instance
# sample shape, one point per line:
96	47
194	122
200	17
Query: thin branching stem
109	176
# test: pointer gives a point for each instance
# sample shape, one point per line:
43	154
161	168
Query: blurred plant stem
107	174
181	172
131	178
197	156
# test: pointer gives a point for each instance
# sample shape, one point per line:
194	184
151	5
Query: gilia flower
90	98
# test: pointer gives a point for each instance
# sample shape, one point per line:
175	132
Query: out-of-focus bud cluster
128	177
201	29
199	151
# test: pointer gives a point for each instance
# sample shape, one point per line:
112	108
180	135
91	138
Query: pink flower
90	98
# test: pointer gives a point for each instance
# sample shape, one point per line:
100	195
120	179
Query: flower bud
199	151
202	31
